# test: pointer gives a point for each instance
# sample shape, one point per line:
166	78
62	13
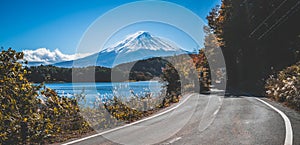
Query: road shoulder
293	115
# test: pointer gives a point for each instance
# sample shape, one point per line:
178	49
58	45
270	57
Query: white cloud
46	56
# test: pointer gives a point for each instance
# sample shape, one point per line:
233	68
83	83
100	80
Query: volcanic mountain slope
138	46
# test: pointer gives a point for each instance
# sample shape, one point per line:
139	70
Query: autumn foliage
285	86
32	114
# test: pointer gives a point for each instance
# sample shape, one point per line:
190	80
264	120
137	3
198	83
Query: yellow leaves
23	87
58	129
50	126
20	77
55	110
3	135
22	106
13	101
3	106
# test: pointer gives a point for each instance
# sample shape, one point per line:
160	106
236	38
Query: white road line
288	126
175	139
127	125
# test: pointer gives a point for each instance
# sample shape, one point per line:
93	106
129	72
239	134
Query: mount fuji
138	46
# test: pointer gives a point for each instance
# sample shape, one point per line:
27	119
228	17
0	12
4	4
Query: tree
171	76
202	67
250	34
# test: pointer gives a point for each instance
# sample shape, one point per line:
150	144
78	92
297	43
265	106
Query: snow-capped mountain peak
142	40
138	46
140	34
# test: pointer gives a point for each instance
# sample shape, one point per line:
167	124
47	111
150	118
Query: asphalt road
206	119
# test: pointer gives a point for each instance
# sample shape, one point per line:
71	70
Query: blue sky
60	24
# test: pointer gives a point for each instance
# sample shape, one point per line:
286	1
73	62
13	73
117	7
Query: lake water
108	90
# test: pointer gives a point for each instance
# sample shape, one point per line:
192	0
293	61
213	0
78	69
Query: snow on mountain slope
140	45
142	40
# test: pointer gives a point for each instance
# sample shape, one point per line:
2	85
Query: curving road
206	119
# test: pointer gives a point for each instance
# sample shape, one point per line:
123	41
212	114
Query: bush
285	86
32	114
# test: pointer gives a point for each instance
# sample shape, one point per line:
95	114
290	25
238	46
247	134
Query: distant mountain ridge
138	46
141	70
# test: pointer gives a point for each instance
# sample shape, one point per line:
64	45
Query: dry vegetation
285	86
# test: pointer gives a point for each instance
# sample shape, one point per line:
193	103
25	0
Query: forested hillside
257	38
142	70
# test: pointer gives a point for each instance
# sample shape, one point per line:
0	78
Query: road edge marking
288	125
127	125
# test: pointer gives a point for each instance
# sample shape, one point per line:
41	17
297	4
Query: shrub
28	113
285	86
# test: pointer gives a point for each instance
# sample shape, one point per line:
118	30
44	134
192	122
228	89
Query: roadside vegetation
285	86
257	37
118	111
34	114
